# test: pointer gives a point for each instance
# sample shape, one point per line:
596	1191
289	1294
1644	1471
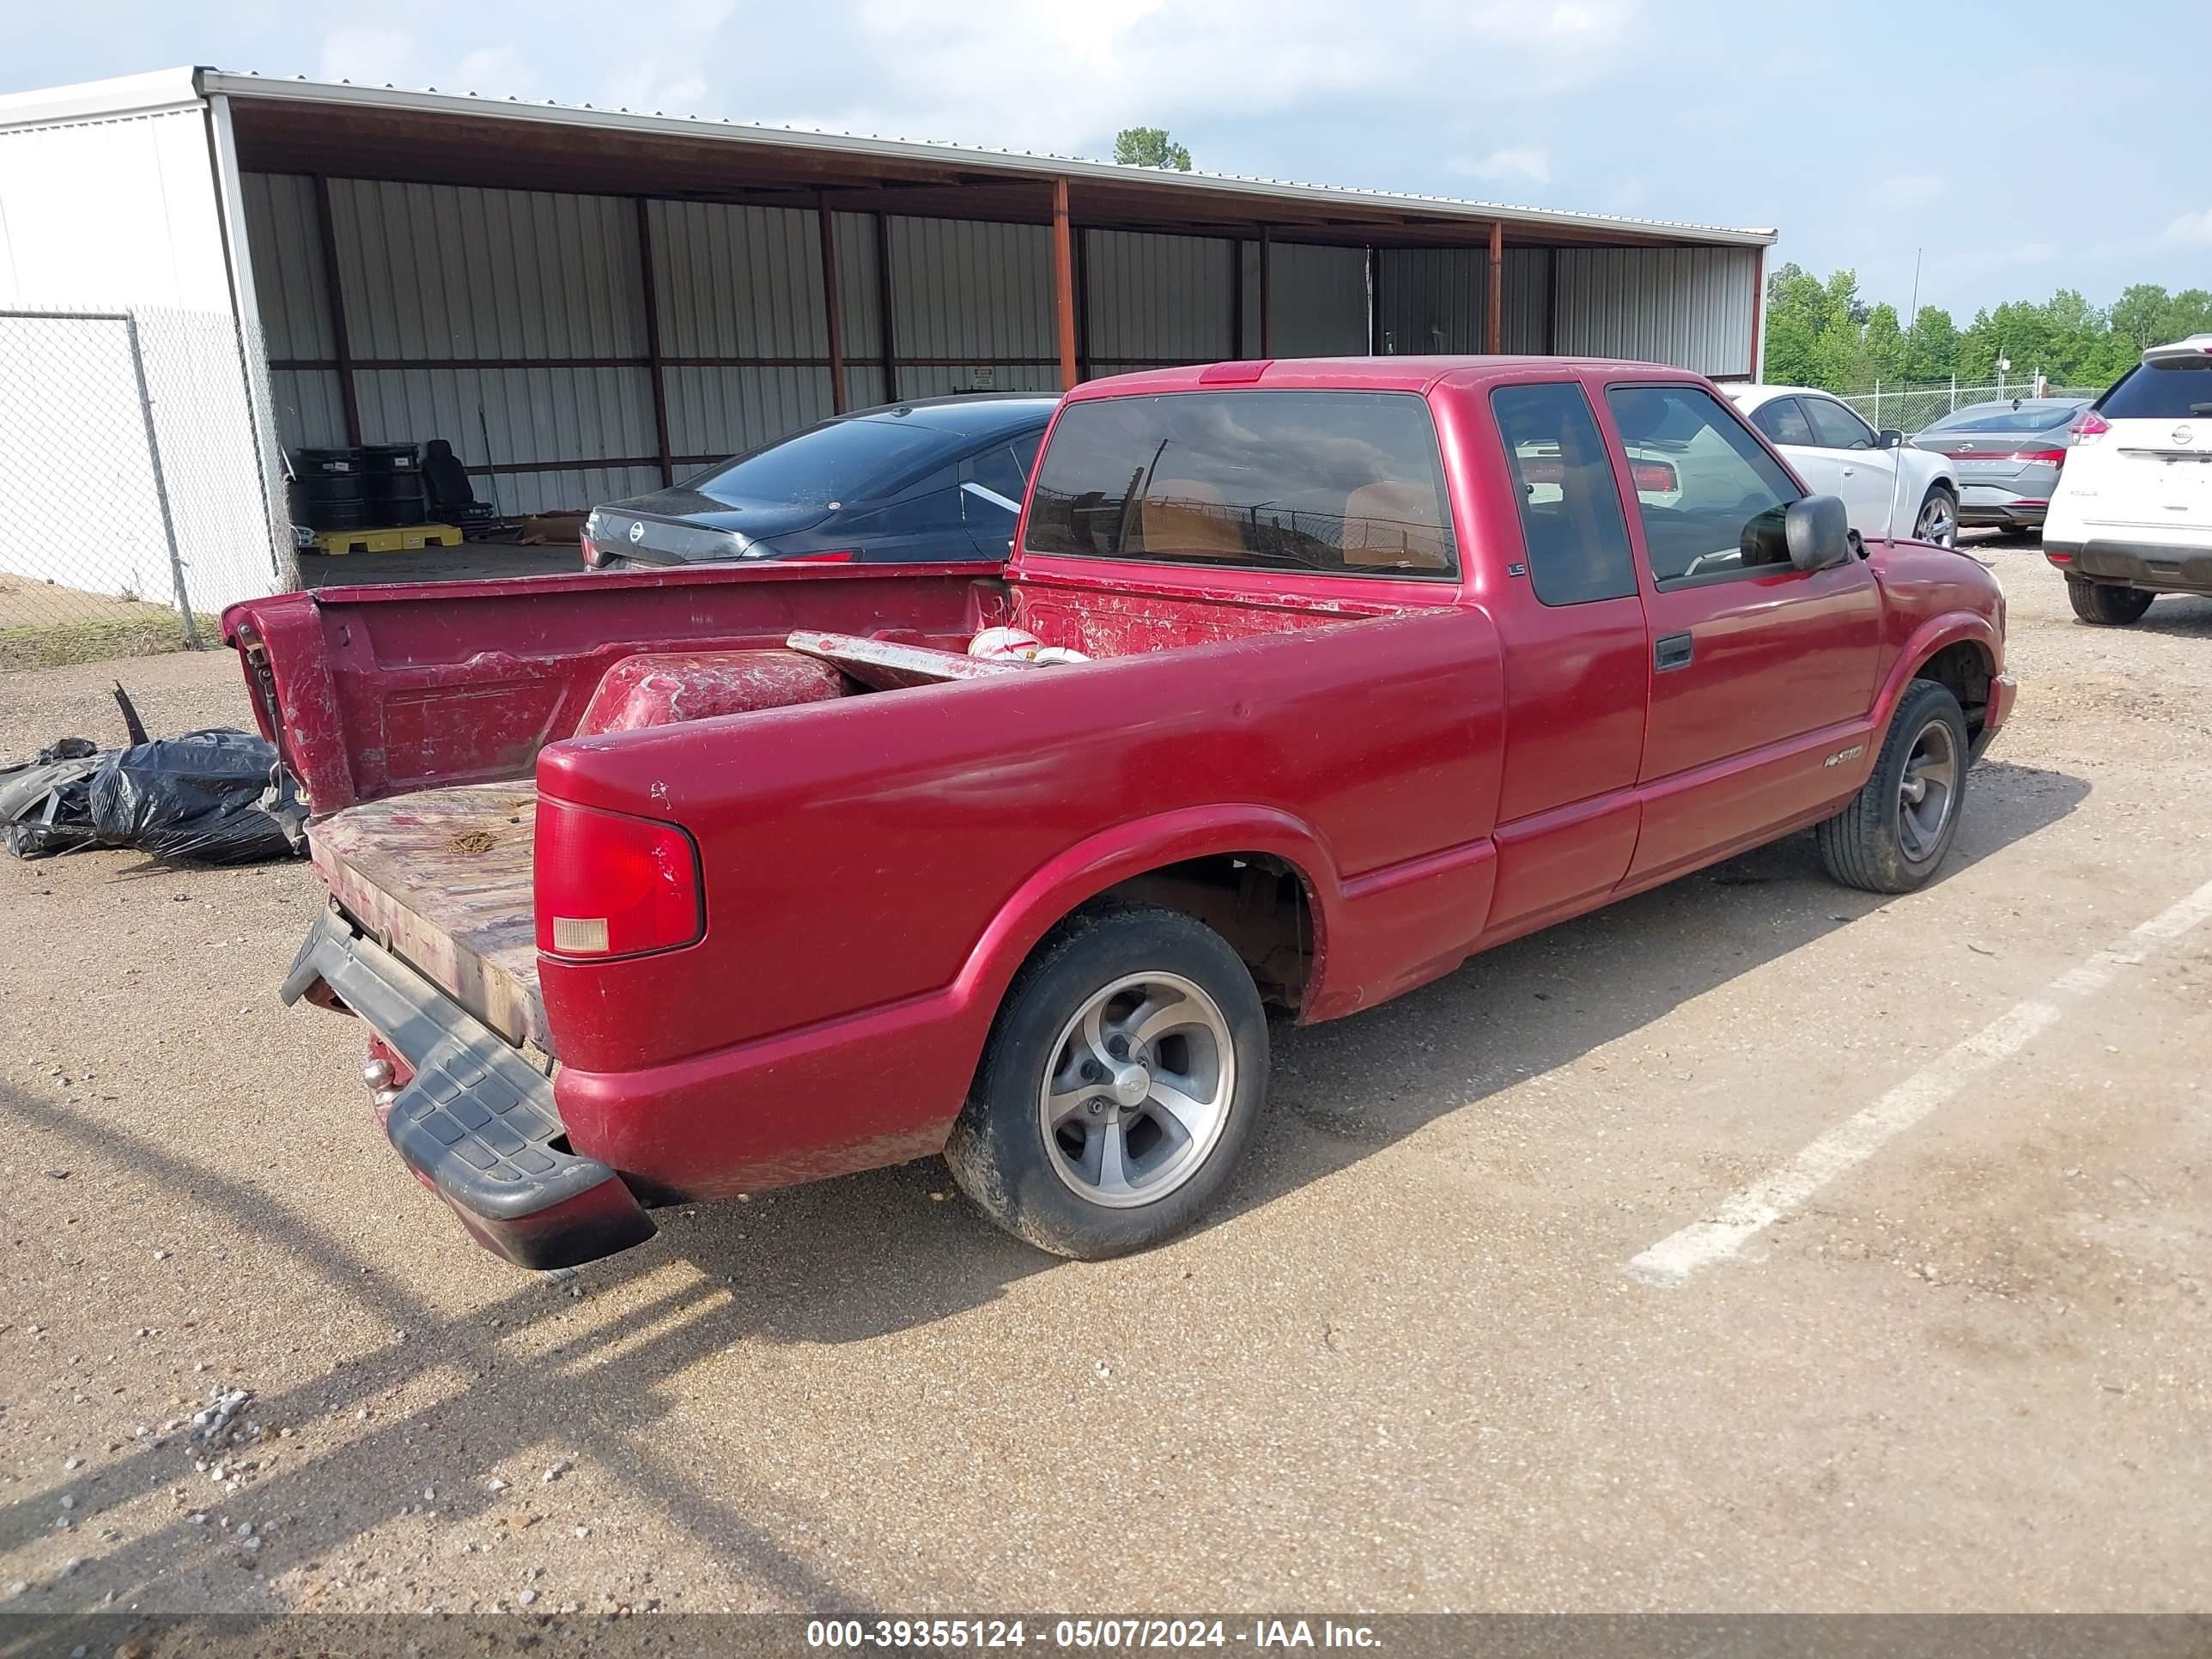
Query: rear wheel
1895	832
1120	1084
2108	607
1938	519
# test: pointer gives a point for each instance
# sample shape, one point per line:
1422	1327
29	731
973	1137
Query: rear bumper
1994	512
2157	567
477	1122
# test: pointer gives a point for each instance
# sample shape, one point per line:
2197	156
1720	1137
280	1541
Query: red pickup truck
677	885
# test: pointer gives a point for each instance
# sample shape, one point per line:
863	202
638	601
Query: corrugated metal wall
972	307
1319	295
1691	307
288	284
514	322
1153	299
449	278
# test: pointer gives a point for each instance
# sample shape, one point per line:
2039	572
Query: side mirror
1890	438
1818	532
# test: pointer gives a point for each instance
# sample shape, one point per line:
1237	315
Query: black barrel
393	478
332	488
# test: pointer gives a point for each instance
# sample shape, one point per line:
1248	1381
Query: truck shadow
517	1382
1544	1001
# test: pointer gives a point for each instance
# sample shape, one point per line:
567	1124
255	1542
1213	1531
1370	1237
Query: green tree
1822	333
1150	147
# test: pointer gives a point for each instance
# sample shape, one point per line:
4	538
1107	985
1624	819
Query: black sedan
940	478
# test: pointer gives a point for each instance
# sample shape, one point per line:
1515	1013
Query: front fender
1936	633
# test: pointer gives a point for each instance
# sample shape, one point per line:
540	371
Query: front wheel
1120	1083
1938	519
2107	607
1896	830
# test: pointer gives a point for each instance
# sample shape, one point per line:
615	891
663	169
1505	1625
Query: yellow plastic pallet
405	538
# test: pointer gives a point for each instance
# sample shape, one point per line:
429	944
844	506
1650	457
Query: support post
1495	290
884	308
826	223
160	486
652	363
1063	283
1266	300
334	298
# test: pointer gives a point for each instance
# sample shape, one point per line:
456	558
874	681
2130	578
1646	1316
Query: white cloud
369	56
1525	163
1088	70
1908	190
2034	254
2191	229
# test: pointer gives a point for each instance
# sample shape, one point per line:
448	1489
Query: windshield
842	461
2160	391
2004	418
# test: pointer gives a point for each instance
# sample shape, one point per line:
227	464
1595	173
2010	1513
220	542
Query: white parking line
1744	1215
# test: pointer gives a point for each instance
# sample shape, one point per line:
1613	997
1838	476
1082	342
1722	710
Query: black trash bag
200	797
45	803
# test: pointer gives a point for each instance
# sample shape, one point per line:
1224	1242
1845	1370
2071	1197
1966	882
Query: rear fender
1090	868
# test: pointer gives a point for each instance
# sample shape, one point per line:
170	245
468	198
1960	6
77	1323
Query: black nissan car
939	478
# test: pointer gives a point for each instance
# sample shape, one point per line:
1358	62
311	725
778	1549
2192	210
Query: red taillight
2091	426
2060	558
592	558
2038	457
611	885
1653	477
845	558
1543	472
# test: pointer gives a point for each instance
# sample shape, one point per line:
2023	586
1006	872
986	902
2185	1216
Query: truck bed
442	878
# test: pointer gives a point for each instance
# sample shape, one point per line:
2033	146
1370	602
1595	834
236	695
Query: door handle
1673	651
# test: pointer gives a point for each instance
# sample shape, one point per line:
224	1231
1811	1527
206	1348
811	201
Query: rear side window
1711	499
1347	482
1571	516
1784	421
2160	391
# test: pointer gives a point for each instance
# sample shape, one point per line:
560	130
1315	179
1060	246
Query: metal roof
1159	194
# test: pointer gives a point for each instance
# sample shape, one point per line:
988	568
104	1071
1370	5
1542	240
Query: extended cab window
1571	515
1712	501
1347	482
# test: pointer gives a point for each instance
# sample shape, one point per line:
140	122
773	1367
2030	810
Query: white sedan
1891	491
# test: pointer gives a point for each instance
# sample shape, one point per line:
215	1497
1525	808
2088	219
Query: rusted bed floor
442	878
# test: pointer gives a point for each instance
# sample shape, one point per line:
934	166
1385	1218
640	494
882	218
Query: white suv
2132	515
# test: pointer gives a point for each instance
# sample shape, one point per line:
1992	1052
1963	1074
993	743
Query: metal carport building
587	302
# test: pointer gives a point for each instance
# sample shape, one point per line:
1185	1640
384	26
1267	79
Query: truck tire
2108	607
1897	828
1120	1083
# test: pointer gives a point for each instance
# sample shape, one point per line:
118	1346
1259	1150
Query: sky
2011	149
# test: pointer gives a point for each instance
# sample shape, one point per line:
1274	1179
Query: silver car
2007	455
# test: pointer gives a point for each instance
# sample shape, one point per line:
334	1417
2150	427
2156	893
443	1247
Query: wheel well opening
1965	671
1254	901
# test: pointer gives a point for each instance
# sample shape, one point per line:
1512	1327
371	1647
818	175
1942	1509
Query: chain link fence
134	498
1909	408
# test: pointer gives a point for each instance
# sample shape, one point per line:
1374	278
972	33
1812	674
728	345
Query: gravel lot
1406	1368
